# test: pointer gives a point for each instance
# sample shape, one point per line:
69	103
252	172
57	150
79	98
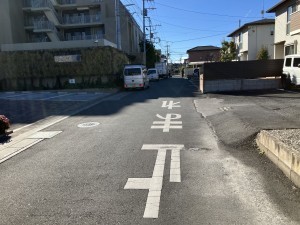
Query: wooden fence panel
242	69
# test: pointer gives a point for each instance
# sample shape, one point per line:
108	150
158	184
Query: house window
291	9
289	50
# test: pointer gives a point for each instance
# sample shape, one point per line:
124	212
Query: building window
289	50
291	9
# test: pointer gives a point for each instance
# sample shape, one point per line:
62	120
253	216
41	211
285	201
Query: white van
135	76
291	71
153	74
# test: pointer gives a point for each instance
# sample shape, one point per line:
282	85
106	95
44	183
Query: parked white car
291	71
153	74
135	76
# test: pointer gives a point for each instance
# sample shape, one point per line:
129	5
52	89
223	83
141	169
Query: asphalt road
120	167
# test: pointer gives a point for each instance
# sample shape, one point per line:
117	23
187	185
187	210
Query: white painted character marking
154	184
167	124
171	104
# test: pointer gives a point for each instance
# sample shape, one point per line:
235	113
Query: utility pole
118	28
145	13
168	57
144	33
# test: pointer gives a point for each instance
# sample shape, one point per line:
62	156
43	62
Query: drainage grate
88	124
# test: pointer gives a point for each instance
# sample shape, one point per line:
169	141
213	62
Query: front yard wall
30	70
242	75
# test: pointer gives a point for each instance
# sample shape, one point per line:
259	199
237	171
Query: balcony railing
81	19
36	3
40	4
45	26
66	2
83	37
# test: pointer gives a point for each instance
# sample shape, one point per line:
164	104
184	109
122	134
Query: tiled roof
258	22
203	48
275	7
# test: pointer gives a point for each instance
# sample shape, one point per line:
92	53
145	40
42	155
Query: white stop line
155	183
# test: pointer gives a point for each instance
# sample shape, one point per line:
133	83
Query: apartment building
50	24
253	36
287	28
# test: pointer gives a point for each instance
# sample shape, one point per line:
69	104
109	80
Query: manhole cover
88	124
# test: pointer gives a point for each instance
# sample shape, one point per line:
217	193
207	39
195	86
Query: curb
283	156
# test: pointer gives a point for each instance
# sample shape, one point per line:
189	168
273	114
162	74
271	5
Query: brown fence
243	69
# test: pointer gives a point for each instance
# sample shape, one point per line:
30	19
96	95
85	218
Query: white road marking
167	124
57	96
154	184
171	104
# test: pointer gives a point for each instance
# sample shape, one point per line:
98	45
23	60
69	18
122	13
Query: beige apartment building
56	24
287	28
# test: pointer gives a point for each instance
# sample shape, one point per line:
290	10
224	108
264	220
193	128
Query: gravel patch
290	137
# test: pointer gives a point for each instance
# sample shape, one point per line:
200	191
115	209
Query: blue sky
182	25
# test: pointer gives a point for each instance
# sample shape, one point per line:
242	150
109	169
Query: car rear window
296	62
151	72
288	62
132	71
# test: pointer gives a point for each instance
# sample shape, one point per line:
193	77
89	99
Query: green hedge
98	61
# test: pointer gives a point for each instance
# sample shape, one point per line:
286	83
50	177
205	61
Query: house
252	37
56	24
202	54
287	28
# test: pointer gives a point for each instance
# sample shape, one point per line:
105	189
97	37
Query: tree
263	54
228	51
150	54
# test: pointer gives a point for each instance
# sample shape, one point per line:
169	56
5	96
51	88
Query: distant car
196	72
135	76
291	71
153	74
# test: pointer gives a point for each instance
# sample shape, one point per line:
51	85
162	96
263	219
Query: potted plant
4	124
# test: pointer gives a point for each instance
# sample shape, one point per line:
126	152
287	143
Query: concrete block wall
207	86
283	156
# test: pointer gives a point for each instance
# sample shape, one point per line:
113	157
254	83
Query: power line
192	39
205	13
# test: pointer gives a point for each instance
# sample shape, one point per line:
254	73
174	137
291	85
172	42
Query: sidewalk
26	136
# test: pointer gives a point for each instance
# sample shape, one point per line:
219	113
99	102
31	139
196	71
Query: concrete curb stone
282	155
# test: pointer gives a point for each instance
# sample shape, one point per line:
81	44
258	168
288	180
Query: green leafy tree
263	54
151	54
228	51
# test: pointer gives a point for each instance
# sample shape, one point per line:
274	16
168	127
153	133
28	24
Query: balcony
84	19
66	2
83	36
43	26
37	4
43	6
